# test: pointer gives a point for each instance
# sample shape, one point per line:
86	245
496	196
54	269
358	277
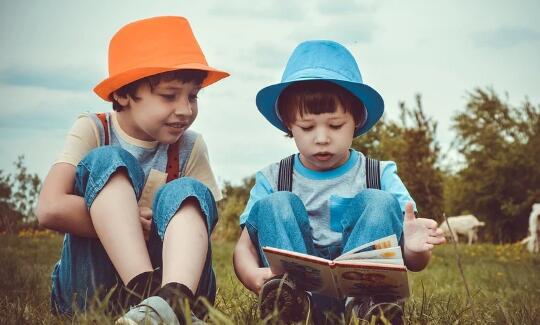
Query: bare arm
416	261
246	264
58	208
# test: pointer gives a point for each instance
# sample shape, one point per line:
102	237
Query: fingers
145	212
435	240
268	273
428	223
409	211
261	275
146	225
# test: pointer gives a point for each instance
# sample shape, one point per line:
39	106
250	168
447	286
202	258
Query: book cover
376	268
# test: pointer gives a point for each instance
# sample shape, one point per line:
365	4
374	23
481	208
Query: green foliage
25	190
230	208
412	145
500	179
18	195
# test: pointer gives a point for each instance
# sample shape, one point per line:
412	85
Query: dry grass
504	283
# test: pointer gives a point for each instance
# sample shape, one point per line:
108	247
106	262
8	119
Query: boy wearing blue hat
328	198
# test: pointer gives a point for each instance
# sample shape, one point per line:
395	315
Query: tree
230	208
18	195
412	145
501	178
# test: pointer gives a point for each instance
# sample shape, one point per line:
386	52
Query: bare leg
115	216
185	246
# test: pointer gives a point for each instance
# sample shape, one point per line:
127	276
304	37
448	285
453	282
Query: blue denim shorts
84	271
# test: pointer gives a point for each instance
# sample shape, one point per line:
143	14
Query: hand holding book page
420	234
375	268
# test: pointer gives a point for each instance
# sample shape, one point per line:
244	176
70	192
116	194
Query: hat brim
105	88
267	97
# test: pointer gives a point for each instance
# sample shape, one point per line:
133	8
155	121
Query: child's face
323	139
162	114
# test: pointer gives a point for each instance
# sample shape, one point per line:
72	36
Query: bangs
317	97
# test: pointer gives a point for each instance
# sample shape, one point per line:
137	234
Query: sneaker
280	293
367	308
151	311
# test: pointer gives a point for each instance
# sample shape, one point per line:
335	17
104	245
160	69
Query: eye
169	97
306	128
336	126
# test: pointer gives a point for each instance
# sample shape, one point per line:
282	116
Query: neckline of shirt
129	139
326	174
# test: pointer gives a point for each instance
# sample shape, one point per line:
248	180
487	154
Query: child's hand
420	234
146	221
258	278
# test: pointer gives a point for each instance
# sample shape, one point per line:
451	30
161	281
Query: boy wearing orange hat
133	189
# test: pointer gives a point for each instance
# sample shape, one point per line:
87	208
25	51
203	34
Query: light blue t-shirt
326	194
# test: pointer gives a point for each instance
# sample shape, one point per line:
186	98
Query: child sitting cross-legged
319	201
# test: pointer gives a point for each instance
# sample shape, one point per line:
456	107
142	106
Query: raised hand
420	234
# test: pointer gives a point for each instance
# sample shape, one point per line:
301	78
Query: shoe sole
125	321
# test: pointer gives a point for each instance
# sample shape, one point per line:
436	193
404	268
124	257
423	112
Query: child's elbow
45	213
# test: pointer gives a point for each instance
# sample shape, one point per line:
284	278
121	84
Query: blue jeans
280	220
84	271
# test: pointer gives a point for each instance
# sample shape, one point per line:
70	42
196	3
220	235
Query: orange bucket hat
151	46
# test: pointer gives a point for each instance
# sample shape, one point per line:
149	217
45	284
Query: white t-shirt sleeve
81	138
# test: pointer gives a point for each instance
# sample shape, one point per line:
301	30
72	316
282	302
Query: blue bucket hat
322	60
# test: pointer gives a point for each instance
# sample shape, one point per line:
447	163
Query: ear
122	100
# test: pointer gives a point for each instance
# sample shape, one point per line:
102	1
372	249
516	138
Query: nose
183	107
321	136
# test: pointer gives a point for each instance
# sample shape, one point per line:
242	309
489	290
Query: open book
375	268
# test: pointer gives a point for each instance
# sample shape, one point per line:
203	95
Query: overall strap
285	174
173	161
373	178
103	118
173	152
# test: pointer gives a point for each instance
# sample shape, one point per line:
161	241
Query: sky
55	52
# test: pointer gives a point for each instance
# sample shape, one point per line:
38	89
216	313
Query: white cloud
52	51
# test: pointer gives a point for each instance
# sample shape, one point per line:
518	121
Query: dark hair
187	75
317	97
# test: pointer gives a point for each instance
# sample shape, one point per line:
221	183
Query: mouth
177	126
323	156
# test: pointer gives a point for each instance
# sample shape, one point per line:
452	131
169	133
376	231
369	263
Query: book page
393	261
372	279
311	273
385	242
389	253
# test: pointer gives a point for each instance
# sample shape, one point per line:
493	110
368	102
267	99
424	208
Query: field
503	282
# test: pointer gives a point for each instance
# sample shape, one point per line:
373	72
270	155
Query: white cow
462	225
533	239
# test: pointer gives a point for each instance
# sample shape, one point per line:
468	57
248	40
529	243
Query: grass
504	281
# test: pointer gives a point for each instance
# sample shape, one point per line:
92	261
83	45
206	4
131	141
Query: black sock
139	288
176	295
